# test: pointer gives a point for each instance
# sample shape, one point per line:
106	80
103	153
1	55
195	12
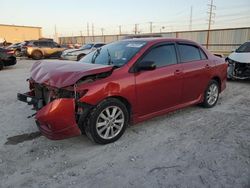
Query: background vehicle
7	58
77	54
38	49
239	63
16	48
123	82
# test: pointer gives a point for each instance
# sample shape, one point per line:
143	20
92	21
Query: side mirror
146	65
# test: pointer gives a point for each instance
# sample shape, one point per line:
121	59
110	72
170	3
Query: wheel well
217	79
37	51
124	101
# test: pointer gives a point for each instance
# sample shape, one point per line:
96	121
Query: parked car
239	62
16	48
7	58
123	82
77	54
39	49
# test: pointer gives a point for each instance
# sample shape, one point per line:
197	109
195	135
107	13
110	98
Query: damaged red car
122	83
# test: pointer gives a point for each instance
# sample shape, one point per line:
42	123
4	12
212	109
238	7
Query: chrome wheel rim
212	94
110	122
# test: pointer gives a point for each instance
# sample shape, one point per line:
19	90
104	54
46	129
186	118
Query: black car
7	58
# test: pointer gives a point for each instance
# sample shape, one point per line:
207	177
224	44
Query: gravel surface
193	147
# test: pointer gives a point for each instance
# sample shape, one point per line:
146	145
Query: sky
70	17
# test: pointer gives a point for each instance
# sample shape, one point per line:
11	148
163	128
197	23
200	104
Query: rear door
196	67
159	89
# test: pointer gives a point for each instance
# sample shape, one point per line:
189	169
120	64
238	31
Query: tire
1	65
104	128
37	55
211	95
79	57
17	53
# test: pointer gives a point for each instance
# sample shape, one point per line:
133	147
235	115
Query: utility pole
120	30
136	28
81	37
151	27
88	29
102	30
93	30
191	19
56	36
210	21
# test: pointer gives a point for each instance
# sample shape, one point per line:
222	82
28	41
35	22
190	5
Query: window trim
190	44
133	67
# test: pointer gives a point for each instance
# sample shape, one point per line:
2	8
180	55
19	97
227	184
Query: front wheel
211	94
107	121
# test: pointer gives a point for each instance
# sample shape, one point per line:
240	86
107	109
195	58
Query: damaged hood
60	74
240	57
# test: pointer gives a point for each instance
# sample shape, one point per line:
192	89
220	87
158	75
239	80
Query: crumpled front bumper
56	120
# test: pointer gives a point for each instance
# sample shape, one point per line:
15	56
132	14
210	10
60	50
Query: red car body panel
148	93
63	73
57	121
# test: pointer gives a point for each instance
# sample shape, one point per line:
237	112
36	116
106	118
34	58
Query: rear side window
98	45
189	53
162	55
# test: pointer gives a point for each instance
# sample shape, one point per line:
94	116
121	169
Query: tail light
10	52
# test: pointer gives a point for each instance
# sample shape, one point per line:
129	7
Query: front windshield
244	47
117	53
87	46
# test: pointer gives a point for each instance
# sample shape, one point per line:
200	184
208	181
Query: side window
203	55
189	53
162	55
98	45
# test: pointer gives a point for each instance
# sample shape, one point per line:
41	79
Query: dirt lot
193	147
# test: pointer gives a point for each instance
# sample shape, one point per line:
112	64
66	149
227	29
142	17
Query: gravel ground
193	147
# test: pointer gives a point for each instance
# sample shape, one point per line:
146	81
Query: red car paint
149	93
58	128
63	73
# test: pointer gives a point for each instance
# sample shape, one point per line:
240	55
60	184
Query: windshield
117	53
244	47
87	46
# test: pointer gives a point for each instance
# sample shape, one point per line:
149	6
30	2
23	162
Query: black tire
1	65
79	57
37	55
209	104
94	116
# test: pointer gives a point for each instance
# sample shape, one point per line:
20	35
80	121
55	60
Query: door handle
176	72
207	66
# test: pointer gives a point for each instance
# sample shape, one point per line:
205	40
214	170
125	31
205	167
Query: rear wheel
37	55
107	121
17	53
211	94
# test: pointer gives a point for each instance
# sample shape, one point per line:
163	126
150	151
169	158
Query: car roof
159	39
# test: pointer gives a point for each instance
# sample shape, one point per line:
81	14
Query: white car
239	63
77	54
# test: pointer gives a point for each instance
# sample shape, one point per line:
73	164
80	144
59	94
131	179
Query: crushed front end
57	110
238	70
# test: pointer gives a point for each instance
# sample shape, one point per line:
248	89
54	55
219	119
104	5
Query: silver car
77	54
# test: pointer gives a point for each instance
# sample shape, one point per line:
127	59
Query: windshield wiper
110	62
95	55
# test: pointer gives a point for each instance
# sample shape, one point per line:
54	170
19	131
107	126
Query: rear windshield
244	48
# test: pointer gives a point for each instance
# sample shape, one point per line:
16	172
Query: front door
159	89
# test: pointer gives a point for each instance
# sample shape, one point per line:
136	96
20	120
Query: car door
159	89
195	71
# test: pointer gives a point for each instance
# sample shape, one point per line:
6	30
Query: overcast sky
71	16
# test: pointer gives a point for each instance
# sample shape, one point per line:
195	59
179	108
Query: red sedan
122	83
